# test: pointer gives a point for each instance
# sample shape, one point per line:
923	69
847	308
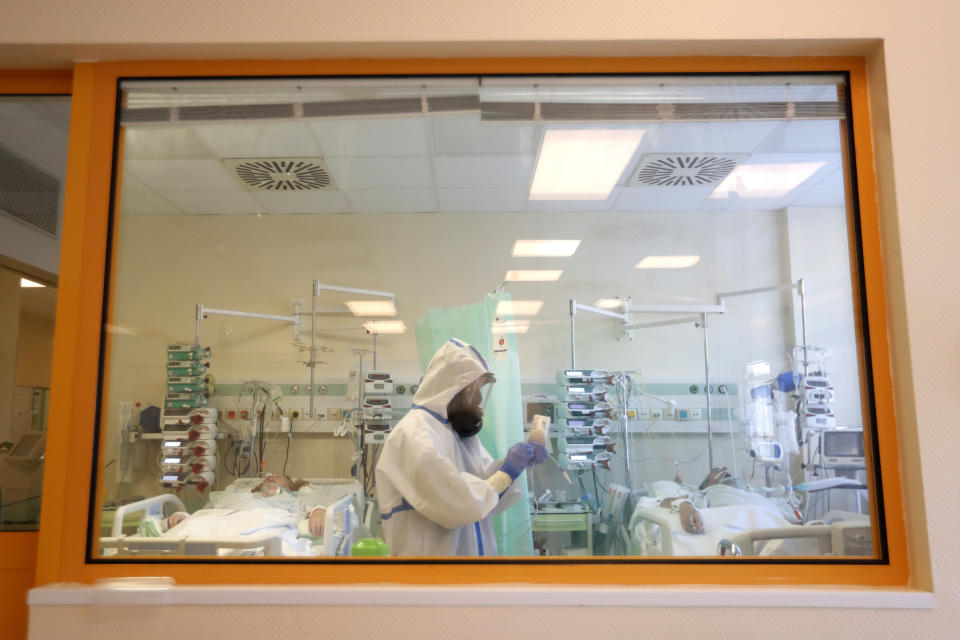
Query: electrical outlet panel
335	414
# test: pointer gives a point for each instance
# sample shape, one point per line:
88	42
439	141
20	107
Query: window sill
513	595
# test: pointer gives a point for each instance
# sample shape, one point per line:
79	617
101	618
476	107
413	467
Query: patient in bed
718	489
291	507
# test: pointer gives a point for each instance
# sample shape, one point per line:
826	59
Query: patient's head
718	475
273	482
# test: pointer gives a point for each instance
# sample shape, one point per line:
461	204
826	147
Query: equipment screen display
26	444
843	444
539	408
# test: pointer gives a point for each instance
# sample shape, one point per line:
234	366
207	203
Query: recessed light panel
667	262
533	275
385	326
372	307
545	248
765	180
519	307
30	284
608	303
516	326
582	164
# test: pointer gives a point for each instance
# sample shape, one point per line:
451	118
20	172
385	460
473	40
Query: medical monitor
541	405
29	448
843	448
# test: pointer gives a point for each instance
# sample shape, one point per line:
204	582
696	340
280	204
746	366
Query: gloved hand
539	453
519	457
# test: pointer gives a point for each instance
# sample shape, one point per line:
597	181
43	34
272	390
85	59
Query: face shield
465	411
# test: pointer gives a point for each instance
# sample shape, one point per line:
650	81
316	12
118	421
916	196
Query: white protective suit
431	484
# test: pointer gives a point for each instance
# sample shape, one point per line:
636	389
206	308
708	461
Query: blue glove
539	453
518	458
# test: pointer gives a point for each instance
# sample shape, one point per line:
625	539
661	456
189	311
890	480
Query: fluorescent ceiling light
608	303
545	248
30	284
766	180
533	275
519	307
517	326
582	164
385	326
667	262
372	307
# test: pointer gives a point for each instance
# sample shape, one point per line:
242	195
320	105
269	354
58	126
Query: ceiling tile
235	202
33	139
381	173
468	135
259	140
685	198
371	136
303	201
15	108
709	137
829	192
138	203
56	167
392	200
574	205
131	182
163	141
483	171
183	175
482	199
804	135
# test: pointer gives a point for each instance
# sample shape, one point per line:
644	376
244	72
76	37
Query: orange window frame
70	445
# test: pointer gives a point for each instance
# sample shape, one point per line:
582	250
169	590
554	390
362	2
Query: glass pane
33	159
322	285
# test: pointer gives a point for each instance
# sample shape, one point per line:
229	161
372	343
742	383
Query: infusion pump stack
377	406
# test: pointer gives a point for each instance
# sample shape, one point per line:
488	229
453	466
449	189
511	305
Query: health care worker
437	485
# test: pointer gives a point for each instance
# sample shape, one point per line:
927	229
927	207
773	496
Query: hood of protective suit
454	366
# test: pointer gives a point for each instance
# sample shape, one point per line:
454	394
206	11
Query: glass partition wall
33	157
665	267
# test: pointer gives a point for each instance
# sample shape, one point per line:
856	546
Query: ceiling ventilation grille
281	174
683	170
28	194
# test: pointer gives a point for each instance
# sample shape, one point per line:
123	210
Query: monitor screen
845	444
539	408
26	445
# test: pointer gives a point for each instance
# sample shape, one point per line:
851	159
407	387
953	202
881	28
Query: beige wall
9	322
913	51
35	351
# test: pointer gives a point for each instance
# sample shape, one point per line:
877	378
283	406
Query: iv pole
203	312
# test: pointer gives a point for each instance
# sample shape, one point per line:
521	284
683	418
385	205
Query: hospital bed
345	518
747	530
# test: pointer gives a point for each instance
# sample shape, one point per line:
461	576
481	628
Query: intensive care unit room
497	315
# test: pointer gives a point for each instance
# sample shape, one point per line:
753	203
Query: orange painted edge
886	433
75	368
18	550
36	82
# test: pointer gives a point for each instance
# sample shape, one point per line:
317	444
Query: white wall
30	247
913	51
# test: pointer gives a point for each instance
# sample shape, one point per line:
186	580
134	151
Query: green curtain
503	419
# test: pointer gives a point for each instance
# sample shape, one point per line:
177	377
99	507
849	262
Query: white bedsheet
730	511
236	512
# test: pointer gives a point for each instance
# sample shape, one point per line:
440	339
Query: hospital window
33	157
665	268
